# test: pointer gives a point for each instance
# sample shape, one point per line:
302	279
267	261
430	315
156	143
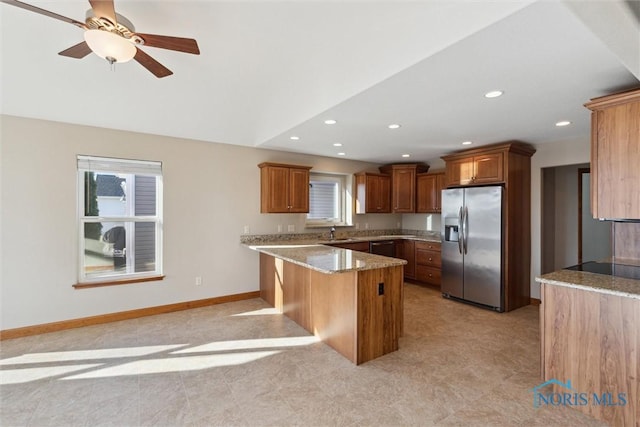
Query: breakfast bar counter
353	301
327	259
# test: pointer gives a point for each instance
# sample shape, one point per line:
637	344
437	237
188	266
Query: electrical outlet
366	225
279	228
291	227
357	226
198	280
397	225
247	230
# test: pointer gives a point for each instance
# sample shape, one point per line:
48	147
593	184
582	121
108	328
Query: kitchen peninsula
353	301
590	336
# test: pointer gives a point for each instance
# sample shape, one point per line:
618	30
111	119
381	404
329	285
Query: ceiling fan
112	37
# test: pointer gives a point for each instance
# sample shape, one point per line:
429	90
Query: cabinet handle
430	259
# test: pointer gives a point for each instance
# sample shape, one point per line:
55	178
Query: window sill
85	285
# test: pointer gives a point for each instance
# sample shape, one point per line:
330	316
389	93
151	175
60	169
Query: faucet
332	233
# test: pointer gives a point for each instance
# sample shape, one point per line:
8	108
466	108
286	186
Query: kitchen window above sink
328	200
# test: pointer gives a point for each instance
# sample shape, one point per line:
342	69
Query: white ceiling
269	70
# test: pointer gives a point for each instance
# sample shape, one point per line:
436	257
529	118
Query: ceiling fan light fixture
110	46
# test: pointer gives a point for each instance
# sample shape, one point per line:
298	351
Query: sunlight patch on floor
105	353
260	312
251	344
177	364
23	375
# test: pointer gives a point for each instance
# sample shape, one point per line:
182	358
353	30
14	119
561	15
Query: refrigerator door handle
465	228
461	231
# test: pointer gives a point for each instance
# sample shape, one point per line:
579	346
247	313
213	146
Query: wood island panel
593	340
270	280
379	316
345	310
334	316
296	288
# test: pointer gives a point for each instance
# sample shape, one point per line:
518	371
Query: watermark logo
543	395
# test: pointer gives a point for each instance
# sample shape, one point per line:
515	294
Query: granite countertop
306	239
602	283
326	259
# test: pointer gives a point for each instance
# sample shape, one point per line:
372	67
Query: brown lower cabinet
423	258
409	254
428	262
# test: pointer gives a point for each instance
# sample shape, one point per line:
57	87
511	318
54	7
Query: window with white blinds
119	219
326	199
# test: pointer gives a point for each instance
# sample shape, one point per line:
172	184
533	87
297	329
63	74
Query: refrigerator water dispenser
451	229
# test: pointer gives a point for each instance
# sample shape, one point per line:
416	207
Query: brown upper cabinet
284	188
429	192
373	193
403	185
615	155
484	168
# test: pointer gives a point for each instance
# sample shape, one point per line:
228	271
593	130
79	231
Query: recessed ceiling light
337	144
294	138
394	126
330	122
406	155
563	123
341	154
467	143
493	94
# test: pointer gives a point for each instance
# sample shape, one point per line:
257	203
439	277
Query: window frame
344	182
130	168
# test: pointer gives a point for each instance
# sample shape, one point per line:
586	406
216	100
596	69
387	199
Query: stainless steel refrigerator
472	245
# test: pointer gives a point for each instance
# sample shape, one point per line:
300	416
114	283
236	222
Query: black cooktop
608	268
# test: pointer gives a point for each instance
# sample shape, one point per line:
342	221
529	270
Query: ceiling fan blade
172	43
104	9
78	51
44	12
151	64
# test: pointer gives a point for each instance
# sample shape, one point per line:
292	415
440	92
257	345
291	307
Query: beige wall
211	191
550	154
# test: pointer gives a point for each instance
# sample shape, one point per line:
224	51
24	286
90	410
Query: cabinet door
275	190
372	201
616	154
439	188
409	254
488	169
373	193
384	196
403	192
428	258
427	193
298	190
459	172
428	275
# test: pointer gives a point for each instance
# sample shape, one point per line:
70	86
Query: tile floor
242	364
